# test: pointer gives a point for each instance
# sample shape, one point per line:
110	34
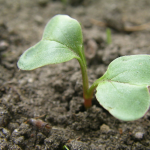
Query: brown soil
54	93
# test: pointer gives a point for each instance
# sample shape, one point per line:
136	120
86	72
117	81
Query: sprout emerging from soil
122	90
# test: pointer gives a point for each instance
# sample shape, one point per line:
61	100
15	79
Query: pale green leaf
123	90
66	31
43	53
61	42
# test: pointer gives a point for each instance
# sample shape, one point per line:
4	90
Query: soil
43	109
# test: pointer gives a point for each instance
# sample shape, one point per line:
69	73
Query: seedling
65	147
108	36
122	90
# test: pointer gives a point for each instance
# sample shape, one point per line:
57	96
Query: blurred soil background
51	96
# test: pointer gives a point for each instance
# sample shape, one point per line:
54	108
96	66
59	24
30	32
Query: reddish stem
87	102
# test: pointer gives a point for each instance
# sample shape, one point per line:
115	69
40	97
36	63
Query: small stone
139	135
104	128
3	45
30	80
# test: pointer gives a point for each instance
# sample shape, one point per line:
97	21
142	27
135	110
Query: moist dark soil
43	109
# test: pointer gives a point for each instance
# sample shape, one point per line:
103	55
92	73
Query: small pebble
104	128
3	45
139	135
30	80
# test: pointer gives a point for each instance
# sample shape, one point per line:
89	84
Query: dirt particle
23	129
58	86
13	126
43	3
76	104
104	128
21	26
6	133
40	138
139	135
4	117
3	144
78	145
14	147
19	140
3	45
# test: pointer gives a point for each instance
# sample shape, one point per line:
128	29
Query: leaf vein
62	44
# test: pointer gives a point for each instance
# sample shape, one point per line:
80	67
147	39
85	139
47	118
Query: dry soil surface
53	93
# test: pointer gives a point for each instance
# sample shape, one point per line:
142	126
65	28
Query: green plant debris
108	36
65	147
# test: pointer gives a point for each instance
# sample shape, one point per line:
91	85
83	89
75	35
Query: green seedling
108	36
122	90
65	147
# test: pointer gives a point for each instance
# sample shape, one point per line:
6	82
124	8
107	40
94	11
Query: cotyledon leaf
65	30
123	90
43	53
61	42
